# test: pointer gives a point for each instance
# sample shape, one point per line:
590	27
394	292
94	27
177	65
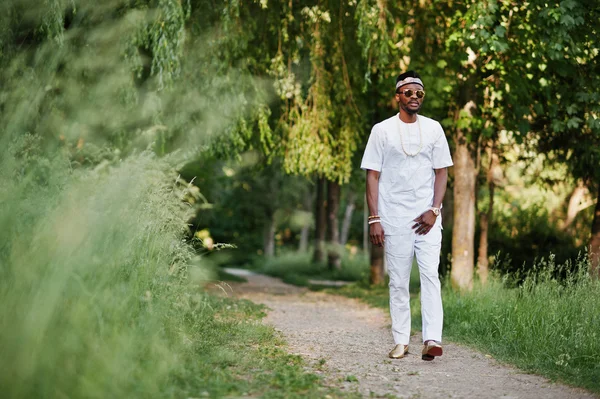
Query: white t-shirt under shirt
406	182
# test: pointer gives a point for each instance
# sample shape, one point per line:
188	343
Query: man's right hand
377	235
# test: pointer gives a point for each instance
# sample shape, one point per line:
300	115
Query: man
406	159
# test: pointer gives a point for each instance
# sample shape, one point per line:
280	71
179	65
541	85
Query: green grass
102	296
298	268
233	354
545	326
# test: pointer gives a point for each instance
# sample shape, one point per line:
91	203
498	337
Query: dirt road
347	342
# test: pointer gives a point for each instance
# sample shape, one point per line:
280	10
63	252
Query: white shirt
406	182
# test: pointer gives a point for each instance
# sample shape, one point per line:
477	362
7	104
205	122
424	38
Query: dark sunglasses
410	92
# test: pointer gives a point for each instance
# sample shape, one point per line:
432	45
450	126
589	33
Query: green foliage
314	125
373	35
54	20
164	39
247	197
100	295
85	274
526	235
530	210
570	58
126	75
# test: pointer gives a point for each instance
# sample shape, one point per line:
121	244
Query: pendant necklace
420	139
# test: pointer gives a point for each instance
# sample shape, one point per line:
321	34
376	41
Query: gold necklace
420	139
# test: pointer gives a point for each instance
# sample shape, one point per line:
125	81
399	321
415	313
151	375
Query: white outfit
406	186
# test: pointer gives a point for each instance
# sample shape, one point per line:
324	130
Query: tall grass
89	302
100	294
547	325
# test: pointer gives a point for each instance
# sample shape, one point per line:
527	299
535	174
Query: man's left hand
425	222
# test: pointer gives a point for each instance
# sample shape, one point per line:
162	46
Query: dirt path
347	342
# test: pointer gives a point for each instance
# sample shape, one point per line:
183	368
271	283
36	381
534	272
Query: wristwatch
436	211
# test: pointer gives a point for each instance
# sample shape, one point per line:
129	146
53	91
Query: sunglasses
410	92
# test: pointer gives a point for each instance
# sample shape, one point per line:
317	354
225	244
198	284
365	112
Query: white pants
400	251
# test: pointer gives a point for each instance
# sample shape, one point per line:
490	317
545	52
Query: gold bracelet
374	217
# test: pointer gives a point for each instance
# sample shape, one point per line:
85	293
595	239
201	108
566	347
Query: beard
410	111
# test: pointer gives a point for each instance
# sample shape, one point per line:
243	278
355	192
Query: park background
148	143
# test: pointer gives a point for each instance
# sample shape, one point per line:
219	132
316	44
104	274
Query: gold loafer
399	351
431	349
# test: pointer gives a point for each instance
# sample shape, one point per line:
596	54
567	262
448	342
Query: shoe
431	349
399	351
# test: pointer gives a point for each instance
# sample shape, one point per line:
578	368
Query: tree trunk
448	204
269	237
574	203
377	270
447	220
305	232
486	219
595	241
303	244
334	260
320	221
347	222
482	259
463	231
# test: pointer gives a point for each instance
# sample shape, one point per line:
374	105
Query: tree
569	67
494	63
493	66
315	122
492	177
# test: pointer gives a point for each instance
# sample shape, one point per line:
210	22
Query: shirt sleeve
441	151
373	156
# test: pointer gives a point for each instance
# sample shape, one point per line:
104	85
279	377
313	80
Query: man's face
412	104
